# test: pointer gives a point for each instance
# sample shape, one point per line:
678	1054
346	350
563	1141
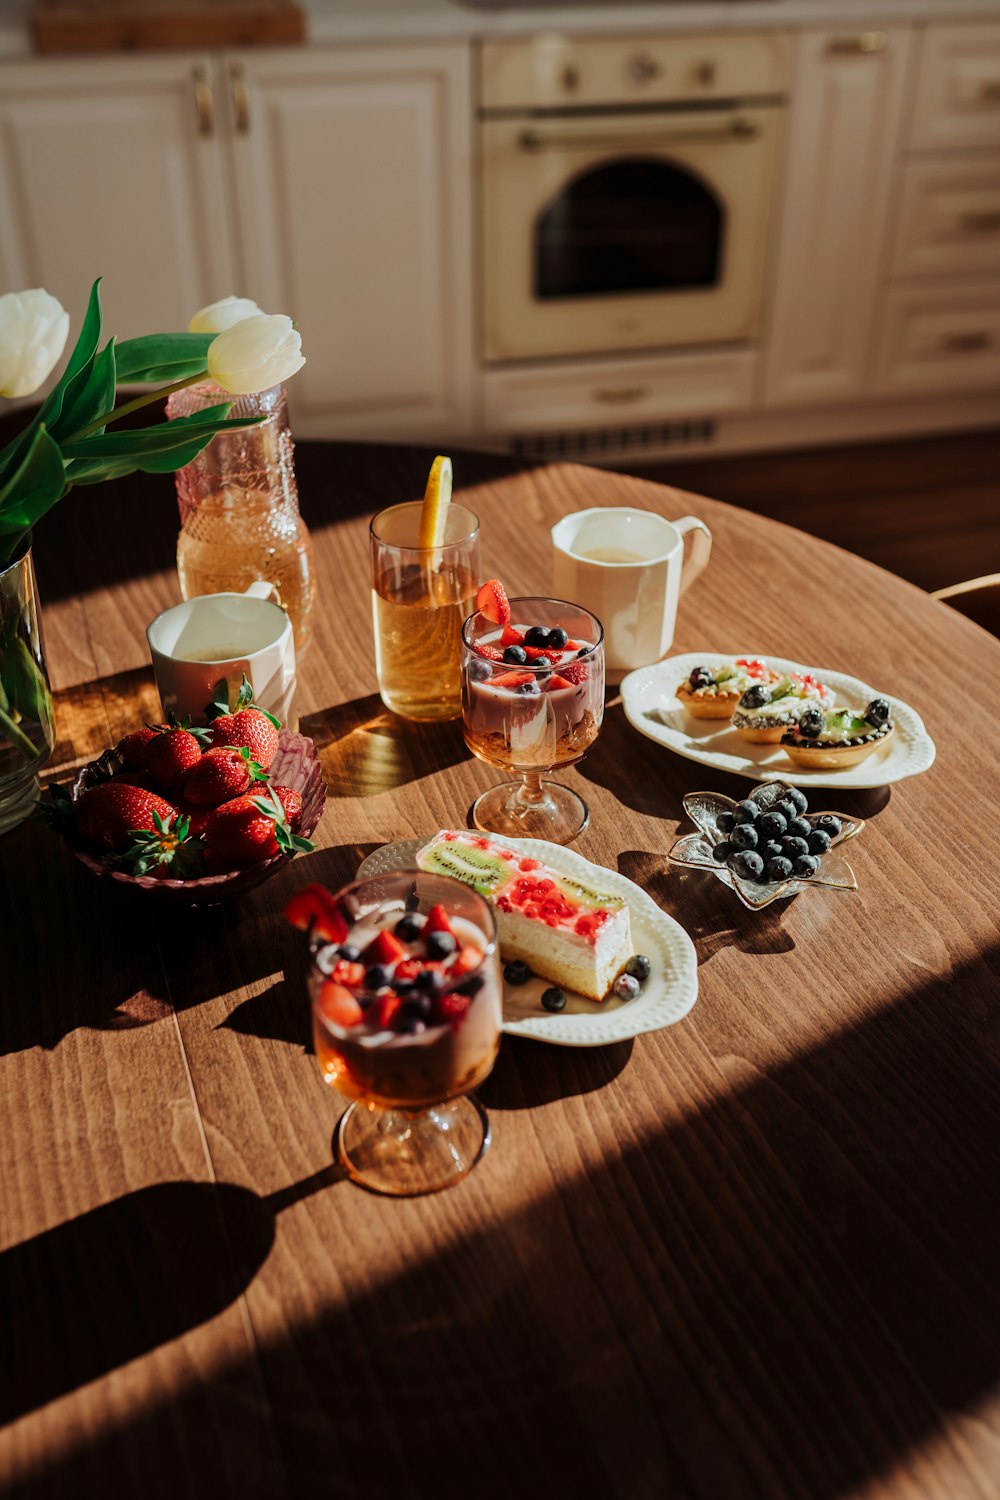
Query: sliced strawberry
465	960
384	948
574	645
557	682
408	969
534	652
492	602
511	637
313	906
437	921
386	1008
513	679
347	973
451	1007
339	1005
490	652
575	672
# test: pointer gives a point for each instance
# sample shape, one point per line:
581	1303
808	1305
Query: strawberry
220	775
197	817
248	729
167	851
465	960
313	908
437	921
575	672
110	813
338	1005
249	829
511	637
573	646
557	681
492	602
351	974
384	948
513	679
533	653
490	652
131	748
385	1008
291	802
170	754
451	1007
407	970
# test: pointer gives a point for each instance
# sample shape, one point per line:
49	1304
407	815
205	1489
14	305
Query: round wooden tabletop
751	1255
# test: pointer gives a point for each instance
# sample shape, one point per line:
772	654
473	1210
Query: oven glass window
635	225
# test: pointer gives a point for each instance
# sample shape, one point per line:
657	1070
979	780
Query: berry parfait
532	701
406	995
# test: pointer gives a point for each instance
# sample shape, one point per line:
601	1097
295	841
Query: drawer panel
944	339
949	218
958	90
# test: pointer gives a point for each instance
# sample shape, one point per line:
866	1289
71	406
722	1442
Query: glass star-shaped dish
694	850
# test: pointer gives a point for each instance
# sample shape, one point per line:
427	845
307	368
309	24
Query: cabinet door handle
620	395
203	103
966	343
982	223
241	98
866	41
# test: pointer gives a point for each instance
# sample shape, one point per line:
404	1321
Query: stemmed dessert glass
412	1127
533	717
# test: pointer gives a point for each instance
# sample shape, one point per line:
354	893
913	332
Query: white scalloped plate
649	697
667	996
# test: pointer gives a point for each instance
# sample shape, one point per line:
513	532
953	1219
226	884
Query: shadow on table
528	1073
712	915
365	749
785	1294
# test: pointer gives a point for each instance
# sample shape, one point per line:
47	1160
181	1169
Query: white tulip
218	316
33	329
255	354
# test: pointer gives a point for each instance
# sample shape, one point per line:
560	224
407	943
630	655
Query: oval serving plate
667	996
649	697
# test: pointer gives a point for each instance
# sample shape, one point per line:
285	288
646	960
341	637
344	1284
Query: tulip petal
218	316
255	354
33	331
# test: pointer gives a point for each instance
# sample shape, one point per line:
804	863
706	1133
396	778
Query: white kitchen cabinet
354	176
843	128
113	167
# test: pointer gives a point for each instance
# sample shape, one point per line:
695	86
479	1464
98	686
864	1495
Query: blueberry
408	927
722	851
798	799
479	671
818	841
416	1007
786	808
470	986
626	988
812	722
516	656
528	689
584	651
538	635
554	999
376	977
779	868
747	864
430	981
699	678
792	846
440	944
829	823
516	972
771	850
806	865
756	696
878	711
557	638
799	828
726	822
542	661
744	836
349	953
772	825
746	811
639	967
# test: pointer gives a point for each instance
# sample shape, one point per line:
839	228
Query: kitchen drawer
940	338
949	218
958	90
618	393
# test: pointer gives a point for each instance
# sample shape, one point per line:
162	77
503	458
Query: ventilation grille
595	440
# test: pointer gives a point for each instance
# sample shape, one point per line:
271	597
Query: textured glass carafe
239	507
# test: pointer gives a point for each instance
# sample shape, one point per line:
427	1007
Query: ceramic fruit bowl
296	765
717	818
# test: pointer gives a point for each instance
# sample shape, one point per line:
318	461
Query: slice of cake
572	933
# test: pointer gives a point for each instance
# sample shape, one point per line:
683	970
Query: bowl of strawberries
198	815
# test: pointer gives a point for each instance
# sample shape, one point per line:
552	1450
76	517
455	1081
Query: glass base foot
558	814
404	1154
18	797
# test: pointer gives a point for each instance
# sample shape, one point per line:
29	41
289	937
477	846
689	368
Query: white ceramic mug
627	567
197	644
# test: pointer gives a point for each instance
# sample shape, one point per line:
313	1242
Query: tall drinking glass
420	596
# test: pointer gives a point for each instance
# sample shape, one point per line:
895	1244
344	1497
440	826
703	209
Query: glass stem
531	790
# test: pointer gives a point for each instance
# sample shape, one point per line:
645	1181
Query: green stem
17	737
139	401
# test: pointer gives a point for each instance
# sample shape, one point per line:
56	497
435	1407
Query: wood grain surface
750	1257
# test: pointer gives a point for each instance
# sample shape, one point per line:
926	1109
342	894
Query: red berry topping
513	679
555	683
347	973
384	948
408	968
314	906
575	672
437	921
527	865
466	959
451	1007
511	637
339	1005
492	602
386	1008
490	652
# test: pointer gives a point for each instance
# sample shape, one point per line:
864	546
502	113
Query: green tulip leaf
25	684
89	395
35	485
144	441
163	356
83	352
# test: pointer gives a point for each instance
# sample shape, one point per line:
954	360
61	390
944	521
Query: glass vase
239	507
26	719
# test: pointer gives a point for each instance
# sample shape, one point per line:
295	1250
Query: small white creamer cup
634	587
218	637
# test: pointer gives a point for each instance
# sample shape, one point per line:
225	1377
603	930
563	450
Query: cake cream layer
569	931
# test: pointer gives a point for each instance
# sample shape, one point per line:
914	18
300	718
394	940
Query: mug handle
261	590
701	548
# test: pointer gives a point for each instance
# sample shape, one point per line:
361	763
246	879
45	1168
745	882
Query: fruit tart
713	692
766	711
833	738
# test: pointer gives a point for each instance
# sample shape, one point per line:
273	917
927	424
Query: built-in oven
626	190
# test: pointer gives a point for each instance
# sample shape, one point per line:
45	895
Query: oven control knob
642	69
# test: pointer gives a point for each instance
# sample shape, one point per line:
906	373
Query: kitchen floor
927	509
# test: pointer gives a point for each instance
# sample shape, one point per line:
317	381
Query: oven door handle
738	129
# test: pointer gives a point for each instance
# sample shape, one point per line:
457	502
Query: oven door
633	231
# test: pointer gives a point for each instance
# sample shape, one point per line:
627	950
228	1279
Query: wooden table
754	1255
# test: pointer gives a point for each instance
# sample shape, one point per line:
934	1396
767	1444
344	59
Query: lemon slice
437	496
